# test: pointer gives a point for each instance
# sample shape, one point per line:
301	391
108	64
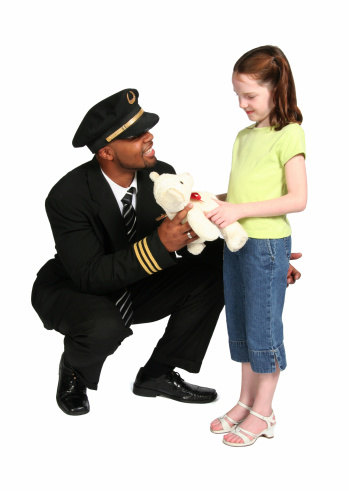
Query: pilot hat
116	117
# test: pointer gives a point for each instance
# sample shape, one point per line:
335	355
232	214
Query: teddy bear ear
153	176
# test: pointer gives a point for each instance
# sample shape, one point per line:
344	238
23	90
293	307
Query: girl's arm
295	200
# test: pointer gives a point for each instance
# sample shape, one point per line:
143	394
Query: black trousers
190	292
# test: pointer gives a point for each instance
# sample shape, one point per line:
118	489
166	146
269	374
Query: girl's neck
265	123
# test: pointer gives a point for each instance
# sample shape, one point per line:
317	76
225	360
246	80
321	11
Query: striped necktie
129	214
124	303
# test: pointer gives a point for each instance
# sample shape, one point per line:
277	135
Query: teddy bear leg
195	248
235	236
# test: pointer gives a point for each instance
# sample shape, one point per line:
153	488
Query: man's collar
118	190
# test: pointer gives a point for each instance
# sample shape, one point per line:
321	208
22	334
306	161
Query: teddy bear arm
201	225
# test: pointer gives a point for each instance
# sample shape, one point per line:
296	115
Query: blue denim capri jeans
255	281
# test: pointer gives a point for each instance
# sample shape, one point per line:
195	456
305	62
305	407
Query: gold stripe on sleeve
144	256
151	255
140	259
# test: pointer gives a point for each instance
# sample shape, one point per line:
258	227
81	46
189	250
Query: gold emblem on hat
131	101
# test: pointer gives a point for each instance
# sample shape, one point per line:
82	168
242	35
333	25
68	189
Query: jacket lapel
107	207
146	208
108	210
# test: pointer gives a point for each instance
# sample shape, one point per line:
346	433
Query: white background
59	59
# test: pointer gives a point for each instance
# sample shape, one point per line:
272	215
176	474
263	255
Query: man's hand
173	234
293	275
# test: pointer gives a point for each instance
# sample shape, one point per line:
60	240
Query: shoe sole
231	444
69	413
140	391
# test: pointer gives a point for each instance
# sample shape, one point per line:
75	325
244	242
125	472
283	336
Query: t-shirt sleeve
293	143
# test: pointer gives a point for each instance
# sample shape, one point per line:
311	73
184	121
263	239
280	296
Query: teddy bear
174	191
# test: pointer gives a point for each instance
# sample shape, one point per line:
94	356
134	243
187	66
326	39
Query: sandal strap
232	420
244	406
268	419
225	425
238	432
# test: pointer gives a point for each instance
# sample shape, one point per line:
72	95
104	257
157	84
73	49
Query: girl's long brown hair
269	66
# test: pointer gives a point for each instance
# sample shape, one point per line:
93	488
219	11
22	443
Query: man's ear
105	153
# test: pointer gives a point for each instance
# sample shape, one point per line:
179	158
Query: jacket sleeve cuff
152	255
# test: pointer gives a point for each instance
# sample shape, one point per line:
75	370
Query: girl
267	181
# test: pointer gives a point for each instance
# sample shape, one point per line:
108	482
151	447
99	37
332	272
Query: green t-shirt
258	173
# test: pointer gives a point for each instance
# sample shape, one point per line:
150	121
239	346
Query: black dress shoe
171	385
71	392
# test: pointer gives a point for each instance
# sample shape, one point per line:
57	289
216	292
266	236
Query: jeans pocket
288	245
271	248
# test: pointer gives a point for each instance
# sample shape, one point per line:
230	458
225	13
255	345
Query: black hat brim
142	125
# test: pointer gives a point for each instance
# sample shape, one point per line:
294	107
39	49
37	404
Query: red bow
195	196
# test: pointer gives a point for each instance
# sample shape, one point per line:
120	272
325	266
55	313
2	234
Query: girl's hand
293	275
224	214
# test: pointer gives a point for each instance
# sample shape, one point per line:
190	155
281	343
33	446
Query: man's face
134	153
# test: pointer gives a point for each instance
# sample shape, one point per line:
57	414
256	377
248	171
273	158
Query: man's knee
105	332
94	324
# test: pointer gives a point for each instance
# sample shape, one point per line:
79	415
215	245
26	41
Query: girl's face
255	99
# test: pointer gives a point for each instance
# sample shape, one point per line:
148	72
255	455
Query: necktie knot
127	199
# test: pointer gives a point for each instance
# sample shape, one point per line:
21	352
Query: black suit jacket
90	236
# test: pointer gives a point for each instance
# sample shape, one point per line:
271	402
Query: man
116	266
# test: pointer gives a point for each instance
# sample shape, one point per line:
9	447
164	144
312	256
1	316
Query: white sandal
226	428
268	432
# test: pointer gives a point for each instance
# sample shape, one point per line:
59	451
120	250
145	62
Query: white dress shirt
119	191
